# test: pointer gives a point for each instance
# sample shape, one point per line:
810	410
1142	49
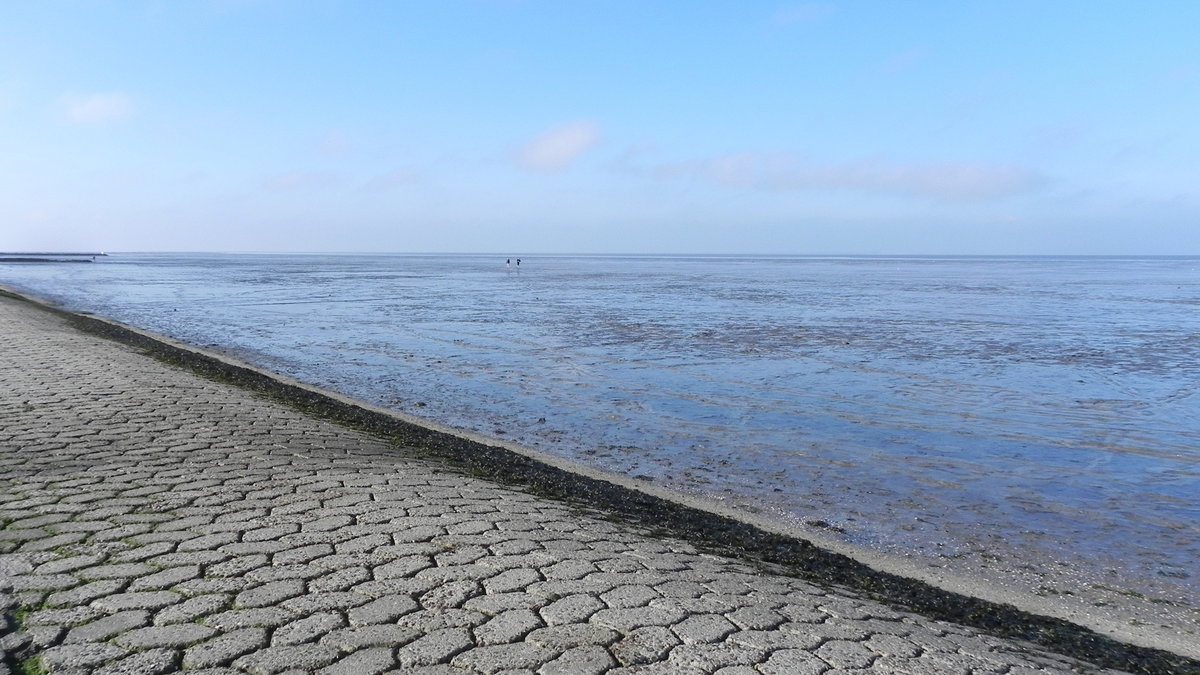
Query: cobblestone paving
154	521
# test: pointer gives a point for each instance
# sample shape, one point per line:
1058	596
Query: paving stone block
327	524
386	609
107	627
62	565
307	629
841	653
506	627
237	565
270	594
246	618
710	657
381	587
626	620
364	662
367	559
775	639
13	535
629	596
139	600
253	547
191	609
851	631
301	554
755	618
461	553
681	589
366	543
207	541
224	648
792	662
438	646
150	662
172	559
703	628
210	586
45	636
340	580
707	604
495	603
436	619
82	656
419	533
511	580
802	613
452	594
185	523
278	572
586	660
67	618
571	609
270	533
351	639
644	645
515	547
573	635
43	582
494	659
176	635
117	571
272	660
165	578
320	602
403	567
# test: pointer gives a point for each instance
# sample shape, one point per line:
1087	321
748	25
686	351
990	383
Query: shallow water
934	406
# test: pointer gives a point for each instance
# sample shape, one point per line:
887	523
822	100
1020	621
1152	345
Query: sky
614	126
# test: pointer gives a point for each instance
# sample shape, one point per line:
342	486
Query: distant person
518	262
508	263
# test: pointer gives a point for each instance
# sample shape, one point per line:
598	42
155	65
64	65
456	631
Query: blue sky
517	126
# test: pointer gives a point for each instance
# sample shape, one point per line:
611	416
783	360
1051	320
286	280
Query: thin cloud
98	108
334	143
555	149
300	180
805	12
903	61
962	181
393	180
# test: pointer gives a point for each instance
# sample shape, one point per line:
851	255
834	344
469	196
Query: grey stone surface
177	635
351	639
149	662
191	609
270	594
224	648
386	609
307	628
151	520
587	660
81	655
369	661
272	660
137	600
437	646
109	626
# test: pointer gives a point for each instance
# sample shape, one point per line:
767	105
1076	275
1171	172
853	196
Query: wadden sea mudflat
149	498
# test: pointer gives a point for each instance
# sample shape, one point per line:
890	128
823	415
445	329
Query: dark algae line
712	532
